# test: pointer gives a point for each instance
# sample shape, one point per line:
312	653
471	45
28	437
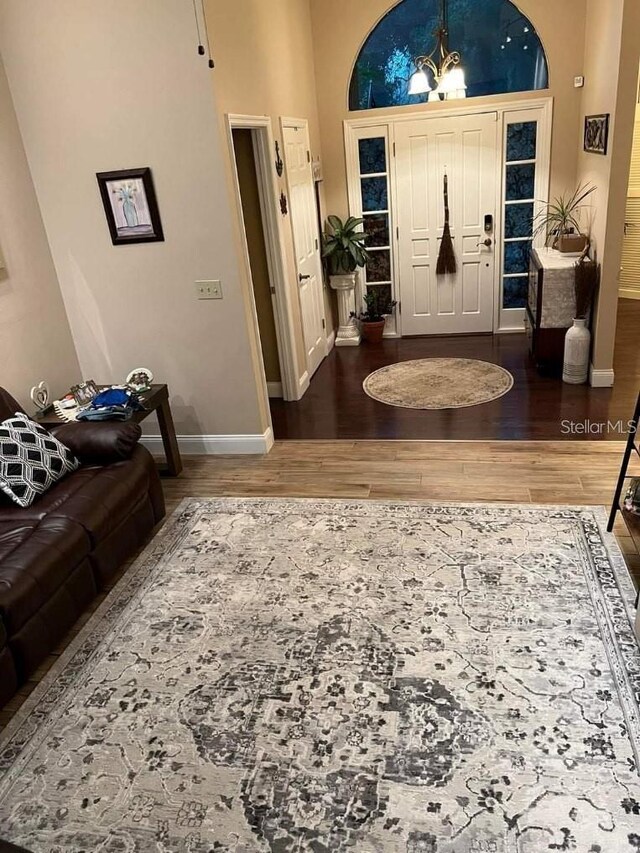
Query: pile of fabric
112	404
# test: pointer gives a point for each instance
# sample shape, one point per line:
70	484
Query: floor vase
577	346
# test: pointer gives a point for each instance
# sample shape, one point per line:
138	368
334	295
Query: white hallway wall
101	86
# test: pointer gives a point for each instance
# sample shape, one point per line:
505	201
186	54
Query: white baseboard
303	384
331	341
215	445
274	390
601	378
629	293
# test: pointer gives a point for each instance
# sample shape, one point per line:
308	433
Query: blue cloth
112	404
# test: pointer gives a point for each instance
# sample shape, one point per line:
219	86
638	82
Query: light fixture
444	66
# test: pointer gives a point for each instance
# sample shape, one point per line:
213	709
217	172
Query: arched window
501	51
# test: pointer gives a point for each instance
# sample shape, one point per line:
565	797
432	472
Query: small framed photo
596	134
130	206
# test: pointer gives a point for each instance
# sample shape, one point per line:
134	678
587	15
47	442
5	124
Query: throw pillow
31	459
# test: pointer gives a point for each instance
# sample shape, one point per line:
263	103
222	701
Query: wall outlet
209	289
578	82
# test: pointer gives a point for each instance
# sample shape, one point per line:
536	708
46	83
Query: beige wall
560	26
35	339
612	31
264	66
100	86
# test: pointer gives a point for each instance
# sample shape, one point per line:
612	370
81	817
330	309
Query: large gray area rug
438	383
280	675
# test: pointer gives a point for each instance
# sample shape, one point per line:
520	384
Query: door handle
488	243
303	277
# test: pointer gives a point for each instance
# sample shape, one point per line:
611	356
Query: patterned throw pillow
31	459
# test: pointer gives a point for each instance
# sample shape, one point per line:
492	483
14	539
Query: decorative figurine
140	379
40	396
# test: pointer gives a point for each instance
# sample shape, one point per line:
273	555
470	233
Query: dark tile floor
538	407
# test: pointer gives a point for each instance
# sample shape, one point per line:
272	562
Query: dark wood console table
156	400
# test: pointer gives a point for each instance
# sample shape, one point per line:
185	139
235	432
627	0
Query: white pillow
31	459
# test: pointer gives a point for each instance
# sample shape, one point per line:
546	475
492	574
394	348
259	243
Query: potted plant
372	320
344	253
560	221
344	248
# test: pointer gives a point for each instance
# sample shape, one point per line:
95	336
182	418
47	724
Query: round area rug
438	383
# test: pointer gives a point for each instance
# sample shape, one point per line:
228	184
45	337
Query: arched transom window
500	49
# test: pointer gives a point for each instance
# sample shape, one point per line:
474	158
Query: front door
466	149
304	219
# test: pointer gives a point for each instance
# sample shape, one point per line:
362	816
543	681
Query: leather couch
56	555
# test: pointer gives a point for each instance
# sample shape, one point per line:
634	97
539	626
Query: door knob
488	243
303	277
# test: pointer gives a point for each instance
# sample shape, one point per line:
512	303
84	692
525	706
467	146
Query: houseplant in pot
344	253
577	343
560	221
378	306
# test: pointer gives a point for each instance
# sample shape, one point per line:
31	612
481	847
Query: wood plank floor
570	473
336	407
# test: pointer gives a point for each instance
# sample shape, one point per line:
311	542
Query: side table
155	400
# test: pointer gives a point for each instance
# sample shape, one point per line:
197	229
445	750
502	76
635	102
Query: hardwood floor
336	407
573	473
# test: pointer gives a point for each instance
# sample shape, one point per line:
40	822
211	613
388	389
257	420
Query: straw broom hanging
446	257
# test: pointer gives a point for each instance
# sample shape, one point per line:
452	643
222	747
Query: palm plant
562	215
344	248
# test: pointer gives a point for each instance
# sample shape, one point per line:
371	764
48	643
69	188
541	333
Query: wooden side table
156	400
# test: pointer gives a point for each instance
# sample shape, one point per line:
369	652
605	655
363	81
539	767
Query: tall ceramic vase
577	347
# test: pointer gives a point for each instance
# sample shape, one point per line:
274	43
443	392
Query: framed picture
596	134
130	206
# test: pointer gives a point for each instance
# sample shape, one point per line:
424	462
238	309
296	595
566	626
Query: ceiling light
442	63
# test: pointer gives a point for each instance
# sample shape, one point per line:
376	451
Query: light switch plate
578	82
209	289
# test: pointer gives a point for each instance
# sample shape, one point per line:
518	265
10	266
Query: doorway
256	245
464	151
498	166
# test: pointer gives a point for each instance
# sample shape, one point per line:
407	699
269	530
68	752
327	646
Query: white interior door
466	148
302	205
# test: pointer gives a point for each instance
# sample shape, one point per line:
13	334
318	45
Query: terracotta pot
372	332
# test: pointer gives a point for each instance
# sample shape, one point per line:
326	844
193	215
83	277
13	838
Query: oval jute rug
438	383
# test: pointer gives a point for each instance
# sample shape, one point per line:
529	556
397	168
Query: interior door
304	218
466	149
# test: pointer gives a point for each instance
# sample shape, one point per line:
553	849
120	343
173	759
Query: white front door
466	149
302	204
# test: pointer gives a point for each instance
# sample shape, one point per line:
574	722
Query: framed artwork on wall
596	134
130	206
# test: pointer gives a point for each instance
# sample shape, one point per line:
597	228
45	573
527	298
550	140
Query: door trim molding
501	107
264	146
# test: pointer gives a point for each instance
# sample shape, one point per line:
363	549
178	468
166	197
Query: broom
446	257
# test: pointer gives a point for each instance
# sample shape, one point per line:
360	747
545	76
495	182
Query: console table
551	306
155	400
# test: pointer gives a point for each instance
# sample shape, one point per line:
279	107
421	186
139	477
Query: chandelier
439	72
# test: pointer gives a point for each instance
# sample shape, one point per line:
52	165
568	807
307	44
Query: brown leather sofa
57	554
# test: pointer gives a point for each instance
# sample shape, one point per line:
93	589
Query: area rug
290	675
438	383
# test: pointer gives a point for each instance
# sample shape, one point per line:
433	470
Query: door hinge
317	244
394	149
324	323
399	307
397	232
273	291
308	156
